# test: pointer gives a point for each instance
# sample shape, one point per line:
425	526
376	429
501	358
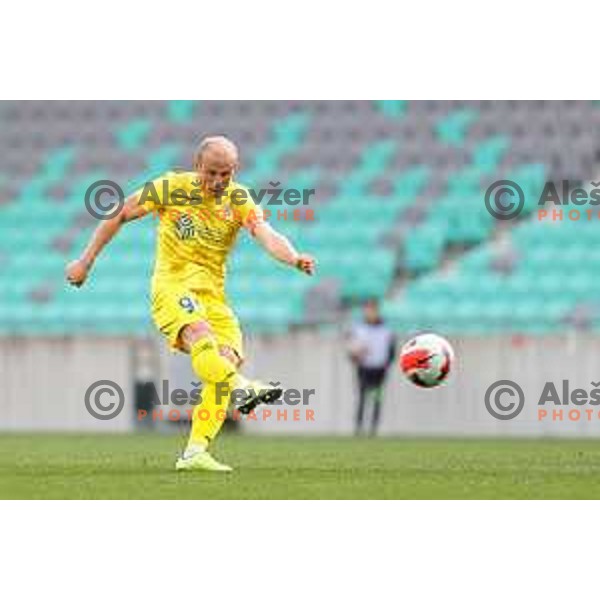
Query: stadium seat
452	129
392	108
131	137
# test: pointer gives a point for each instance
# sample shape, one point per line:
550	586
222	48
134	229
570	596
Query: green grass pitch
141	467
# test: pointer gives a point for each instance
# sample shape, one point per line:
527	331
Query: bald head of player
216	159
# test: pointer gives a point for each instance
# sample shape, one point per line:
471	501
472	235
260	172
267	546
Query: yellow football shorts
174	307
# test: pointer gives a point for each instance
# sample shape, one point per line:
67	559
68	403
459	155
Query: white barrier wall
43	384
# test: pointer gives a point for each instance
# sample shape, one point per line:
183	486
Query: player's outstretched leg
218	375
207	419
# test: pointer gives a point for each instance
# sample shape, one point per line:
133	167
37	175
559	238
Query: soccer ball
426	360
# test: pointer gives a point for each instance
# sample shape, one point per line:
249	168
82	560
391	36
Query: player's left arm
280	248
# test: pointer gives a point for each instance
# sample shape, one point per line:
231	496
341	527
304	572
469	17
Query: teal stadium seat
394	109
133	136
453	128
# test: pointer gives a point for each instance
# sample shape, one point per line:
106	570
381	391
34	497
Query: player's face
216	171
371	312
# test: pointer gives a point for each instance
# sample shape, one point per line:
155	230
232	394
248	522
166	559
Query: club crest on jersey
184	226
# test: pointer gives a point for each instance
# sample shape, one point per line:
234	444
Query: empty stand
399	191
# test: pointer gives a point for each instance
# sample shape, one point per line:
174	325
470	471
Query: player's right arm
139	204
77	271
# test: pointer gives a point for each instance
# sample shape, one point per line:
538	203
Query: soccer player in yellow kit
198	224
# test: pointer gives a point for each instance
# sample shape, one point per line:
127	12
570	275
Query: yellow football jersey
196	234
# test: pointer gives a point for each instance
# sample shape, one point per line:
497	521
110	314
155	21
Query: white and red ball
427	360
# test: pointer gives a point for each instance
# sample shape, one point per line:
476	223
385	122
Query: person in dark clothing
372	350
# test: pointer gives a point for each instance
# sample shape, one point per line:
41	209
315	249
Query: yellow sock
208	364
208	417
217	374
